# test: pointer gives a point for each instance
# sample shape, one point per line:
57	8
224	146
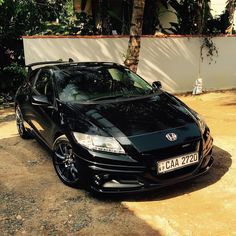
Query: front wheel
67	166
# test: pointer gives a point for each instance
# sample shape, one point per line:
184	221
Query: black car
109	130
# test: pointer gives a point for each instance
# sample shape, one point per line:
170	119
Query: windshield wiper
107	97
119	96
133	95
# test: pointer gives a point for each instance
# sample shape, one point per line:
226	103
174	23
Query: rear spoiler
29	66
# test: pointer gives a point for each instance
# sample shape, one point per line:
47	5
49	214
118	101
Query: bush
78	24
11	77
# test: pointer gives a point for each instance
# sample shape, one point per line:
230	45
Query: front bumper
130	177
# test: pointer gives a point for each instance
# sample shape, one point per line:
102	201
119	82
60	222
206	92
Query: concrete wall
78	48
173	60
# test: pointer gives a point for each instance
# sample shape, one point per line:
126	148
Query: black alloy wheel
65	163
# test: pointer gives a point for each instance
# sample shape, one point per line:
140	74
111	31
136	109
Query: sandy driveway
34	202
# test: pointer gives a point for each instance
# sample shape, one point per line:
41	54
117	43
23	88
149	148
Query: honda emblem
171	137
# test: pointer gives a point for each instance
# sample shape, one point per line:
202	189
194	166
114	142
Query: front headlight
99	143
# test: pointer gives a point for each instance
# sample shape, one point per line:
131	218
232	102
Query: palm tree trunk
132	57
230	8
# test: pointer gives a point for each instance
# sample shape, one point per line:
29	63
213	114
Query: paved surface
34	202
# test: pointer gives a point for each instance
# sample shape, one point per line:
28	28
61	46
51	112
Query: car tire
68	168
20	124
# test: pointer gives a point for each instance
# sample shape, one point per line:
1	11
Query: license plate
177	162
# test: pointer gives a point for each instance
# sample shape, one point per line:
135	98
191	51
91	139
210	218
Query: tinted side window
41	82
44	84
33	76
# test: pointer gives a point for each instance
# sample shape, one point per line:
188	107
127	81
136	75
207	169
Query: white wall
222	73
173	60
78	48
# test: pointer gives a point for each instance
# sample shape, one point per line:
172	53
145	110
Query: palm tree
230	9
132	57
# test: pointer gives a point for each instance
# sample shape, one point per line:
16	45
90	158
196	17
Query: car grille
177	150
150	159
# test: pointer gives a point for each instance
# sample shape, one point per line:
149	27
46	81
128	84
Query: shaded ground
34	202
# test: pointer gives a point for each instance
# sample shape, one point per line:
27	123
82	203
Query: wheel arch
56	136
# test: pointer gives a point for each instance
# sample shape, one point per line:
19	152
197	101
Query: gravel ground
34	202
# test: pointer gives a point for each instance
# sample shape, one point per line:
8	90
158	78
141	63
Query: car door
24	96
42	118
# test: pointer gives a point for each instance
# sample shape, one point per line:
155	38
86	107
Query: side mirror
40	100
156	84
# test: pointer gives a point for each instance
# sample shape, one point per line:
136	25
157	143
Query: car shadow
221	165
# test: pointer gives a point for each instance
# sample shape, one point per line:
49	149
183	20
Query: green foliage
31	17
187	16
11	78
69	23
79	24
27	17
23	17
218	25
210	47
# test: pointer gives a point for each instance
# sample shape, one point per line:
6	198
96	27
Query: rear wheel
67	167
20	124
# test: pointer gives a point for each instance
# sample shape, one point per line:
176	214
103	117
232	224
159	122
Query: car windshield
84	83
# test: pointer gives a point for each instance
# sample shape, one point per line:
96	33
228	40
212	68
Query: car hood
143	123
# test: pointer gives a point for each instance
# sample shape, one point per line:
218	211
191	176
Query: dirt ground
33	201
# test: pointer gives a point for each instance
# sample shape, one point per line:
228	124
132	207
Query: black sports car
109	130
